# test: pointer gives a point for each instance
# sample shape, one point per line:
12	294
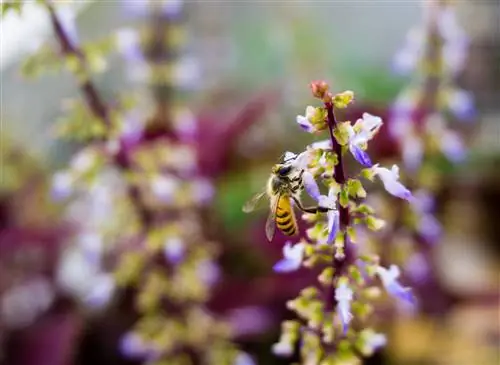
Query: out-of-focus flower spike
292	258
392	285
343	296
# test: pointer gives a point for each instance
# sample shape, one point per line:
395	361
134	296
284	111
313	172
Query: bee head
281	170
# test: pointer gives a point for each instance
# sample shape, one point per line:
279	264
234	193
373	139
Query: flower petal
360	155
305	124
310	185
333	225
286	265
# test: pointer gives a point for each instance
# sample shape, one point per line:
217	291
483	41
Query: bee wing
252	203
271	219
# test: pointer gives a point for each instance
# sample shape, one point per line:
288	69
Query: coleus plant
333	316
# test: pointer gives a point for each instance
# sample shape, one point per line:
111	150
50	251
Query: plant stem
339	265
91	96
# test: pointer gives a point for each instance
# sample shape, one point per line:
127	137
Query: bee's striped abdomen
285	217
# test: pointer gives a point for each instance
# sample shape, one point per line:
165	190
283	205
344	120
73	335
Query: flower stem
91	96
339	265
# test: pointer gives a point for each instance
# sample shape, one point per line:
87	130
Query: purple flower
67	17
332	215
360	134
360	155
172	8
62	185
134	347
452	146
92	247
203	191
310	185
461	104
129	45
305	121
392	285
292	258
343	296
429	228
101	292
417	268
164	187
390	179
412	151
244	359
174	249
208	272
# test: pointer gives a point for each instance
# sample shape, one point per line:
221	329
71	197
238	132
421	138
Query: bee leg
312	210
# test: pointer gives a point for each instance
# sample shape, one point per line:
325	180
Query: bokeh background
247	65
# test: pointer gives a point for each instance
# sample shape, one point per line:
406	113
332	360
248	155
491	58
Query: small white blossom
292	258
359	135
343	296
164	187
244	359
304	121
390	180
62	185
392	285
174	249
102	291
282	349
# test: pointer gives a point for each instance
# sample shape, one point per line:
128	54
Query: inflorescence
332	325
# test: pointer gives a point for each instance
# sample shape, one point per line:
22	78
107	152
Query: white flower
461	104
413	151
392	285
343	296
244	359
282	349
174	249
203	191
62	185
164	187
359	135
390	179
305	122
292	258
129	45
21	305
102	290
208	272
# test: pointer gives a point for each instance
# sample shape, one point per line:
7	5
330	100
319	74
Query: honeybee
284	185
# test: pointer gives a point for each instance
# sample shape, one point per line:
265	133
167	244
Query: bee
283	188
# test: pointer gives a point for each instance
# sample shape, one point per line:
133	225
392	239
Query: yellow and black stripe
285	217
